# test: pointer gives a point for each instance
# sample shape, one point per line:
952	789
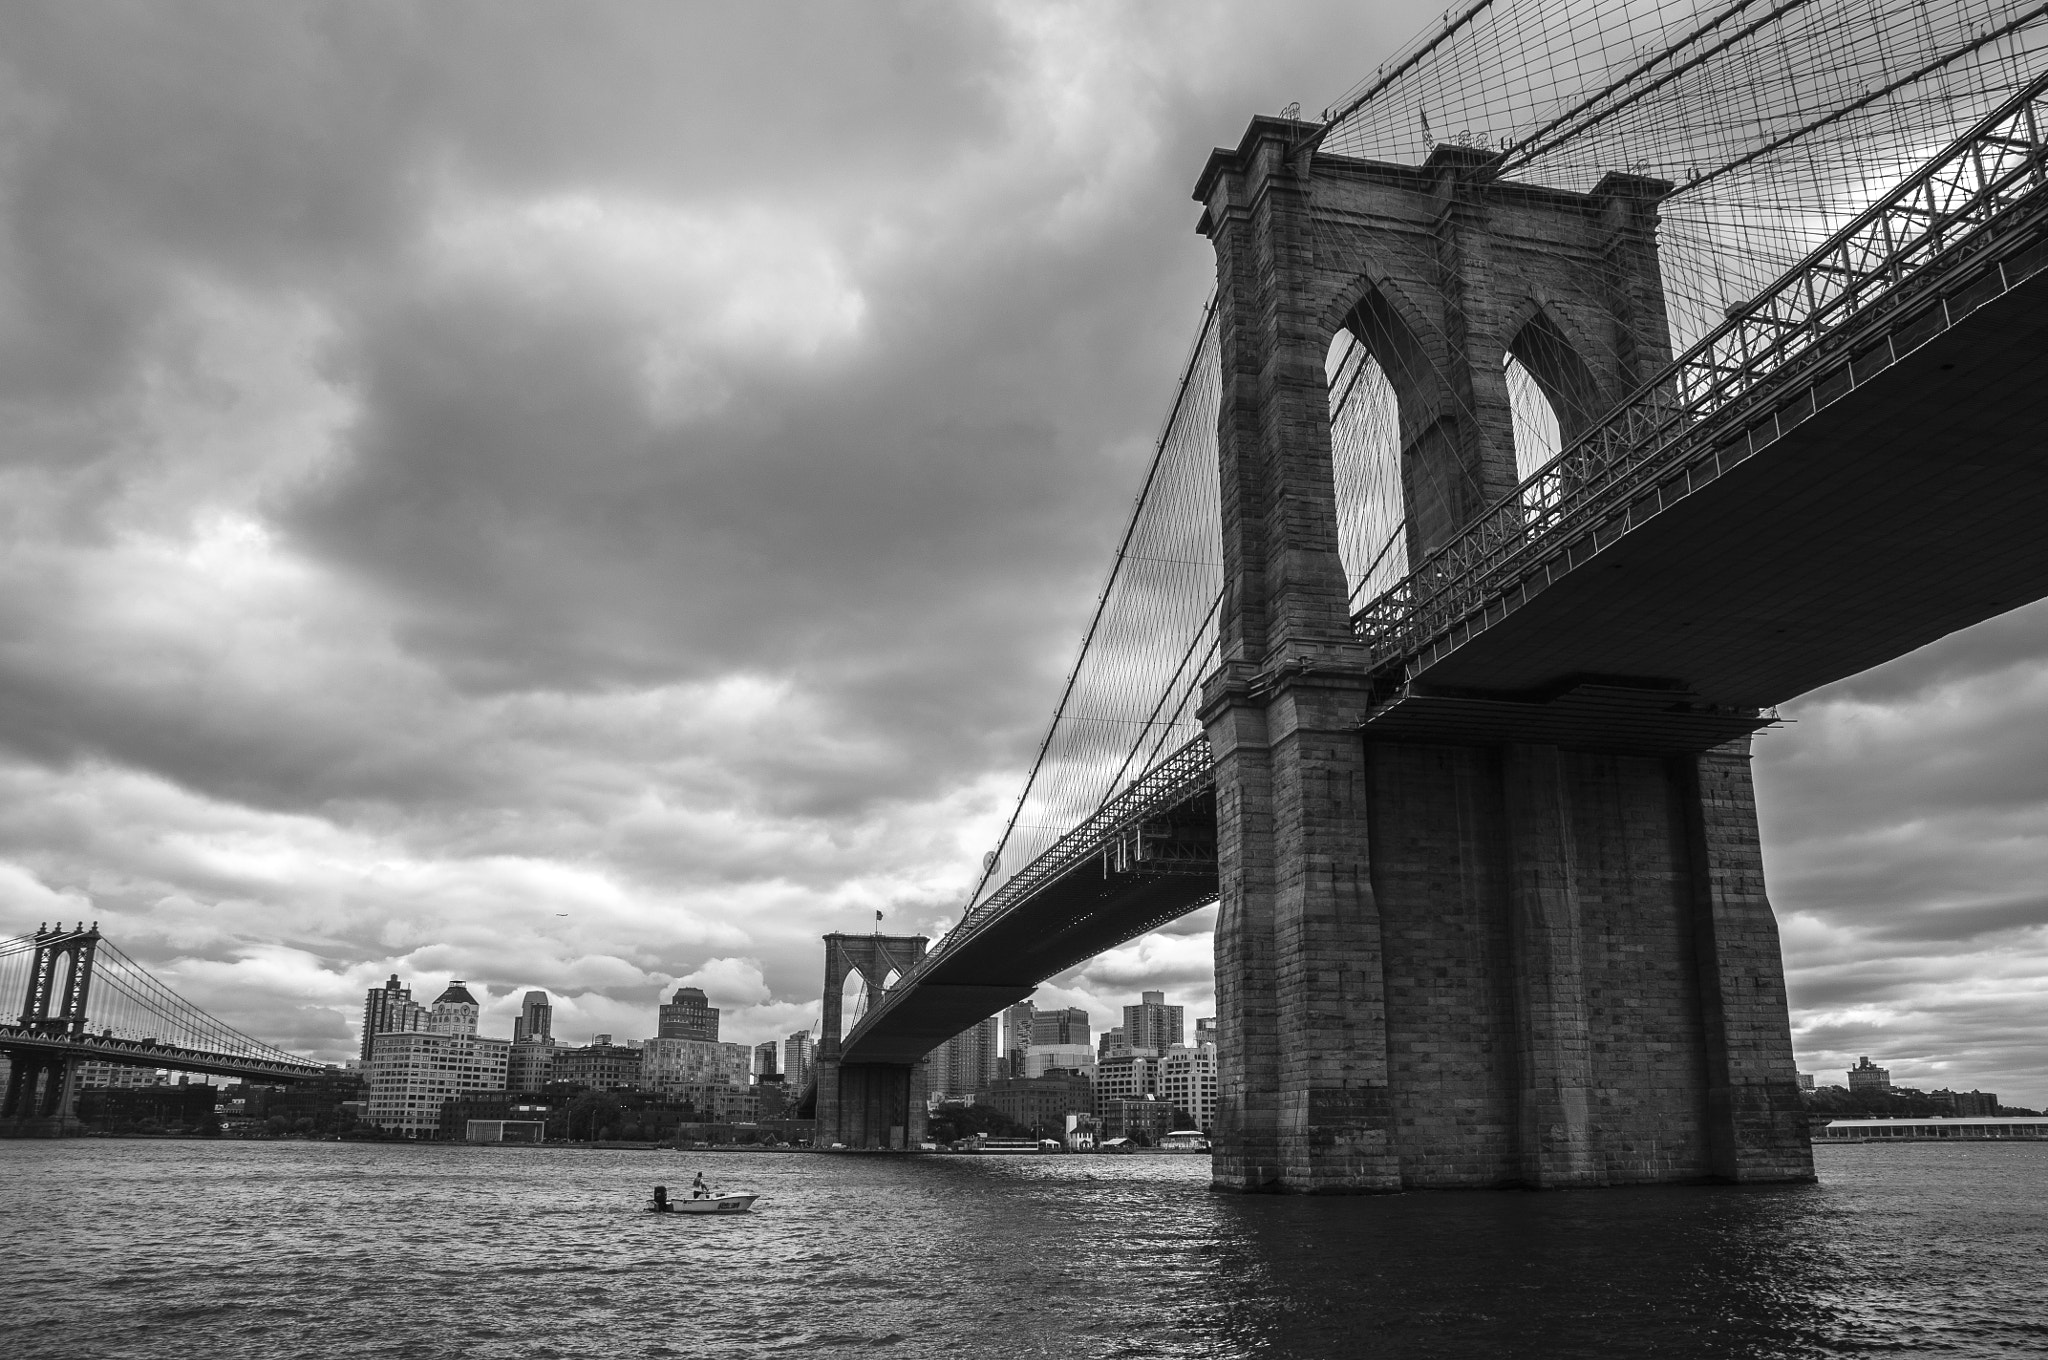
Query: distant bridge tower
867	1104
1503	951
41	1088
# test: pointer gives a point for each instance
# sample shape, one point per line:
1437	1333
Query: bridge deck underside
1071	919
1906	510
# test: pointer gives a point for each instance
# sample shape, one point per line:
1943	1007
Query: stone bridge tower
41	1087
866	1105
1478	961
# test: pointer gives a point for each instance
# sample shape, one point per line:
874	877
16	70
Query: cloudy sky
593	497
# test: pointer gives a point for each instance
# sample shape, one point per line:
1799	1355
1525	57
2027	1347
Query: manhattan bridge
1589	380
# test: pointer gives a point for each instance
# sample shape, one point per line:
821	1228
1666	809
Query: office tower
1152	1024
1205	1032
1017	1023
389	1007
796	1059
536	1019
764	1060
1068	1026
689	1016
965	1065
1111	1044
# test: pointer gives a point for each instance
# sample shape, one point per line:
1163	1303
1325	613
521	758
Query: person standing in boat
698	1189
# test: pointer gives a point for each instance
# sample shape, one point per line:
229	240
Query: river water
203	1249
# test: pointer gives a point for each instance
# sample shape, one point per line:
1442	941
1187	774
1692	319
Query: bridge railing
1853	277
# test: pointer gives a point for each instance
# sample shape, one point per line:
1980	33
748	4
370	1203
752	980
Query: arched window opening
1365	454
853	1000
1538	435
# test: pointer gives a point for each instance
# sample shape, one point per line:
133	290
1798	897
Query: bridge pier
41	1098
1489	954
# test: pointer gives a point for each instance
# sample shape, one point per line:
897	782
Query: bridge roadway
22	1040
1883	487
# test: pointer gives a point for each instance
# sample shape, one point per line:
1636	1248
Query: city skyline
504	535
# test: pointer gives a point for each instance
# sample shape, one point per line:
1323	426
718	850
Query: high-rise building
1111	1044
689	1015
965	1065
796	1059
536	1019
1205	1032
412	1071
1069	1026
764	1060
1152	1024
1017	1025
1868	1076
1187	1081
387	1009
455	1011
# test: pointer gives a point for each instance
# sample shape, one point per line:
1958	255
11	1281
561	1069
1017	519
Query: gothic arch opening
1365	464
1551	393
853	1000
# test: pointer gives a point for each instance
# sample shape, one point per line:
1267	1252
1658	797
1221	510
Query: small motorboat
701	1204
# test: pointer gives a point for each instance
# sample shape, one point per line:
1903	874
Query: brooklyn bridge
1584	384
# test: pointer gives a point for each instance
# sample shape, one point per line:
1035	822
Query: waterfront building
412	1073
965	1065
1082	1132
1868	1076
796	1059
530	1066
764	1061
389	1009
1044	1058
689	1015
536	1019
601	1065
1969	1104
1068	1026
1187	1081
1142	1121
1017	1024
667	1065
106	1076
1042	1104
1152	1024
1130	1075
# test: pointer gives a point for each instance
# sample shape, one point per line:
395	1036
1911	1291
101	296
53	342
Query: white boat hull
715	1204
